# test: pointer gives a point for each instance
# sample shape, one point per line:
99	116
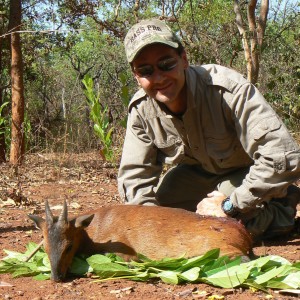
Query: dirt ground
86	183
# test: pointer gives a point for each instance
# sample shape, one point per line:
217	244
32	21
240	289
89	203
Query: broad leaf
291	281
200	260
229	278
111	270
222	264
190	275
79	266
42	277
169	277
97	259
265	277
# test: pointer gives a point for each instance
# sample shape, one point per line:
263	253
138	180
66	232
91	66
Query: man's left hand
211	206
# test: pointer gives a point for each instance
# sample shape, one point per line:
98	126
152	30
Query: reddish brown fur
155	232
159	232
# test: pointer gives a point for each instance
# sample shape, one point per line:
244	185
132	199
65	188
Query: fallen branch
34	251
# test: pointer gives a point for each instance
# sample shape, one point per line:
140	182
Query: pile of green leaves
266	272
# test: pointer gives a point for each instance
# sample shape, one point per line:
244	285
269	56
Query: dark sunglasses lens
144	71
167	64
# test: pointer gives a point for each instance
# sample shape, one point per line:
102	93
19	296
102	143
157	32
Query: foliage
280	68
266	272
100	117
208	40
125	96
15	263
4	124
3	120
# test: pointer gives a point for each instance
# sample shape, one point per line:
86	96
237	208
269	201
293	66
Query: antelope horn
64	213
49	215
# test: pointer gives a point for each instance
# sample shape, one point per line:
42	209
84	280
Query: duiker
126	230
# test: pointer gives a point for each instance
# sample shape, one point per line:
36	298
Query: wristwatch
228	208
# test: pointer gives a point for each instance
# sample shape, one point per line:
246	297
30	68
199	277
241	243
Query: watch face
227	205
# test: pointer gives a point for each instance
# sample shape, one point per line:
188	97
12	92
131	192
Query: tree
254	36
17	86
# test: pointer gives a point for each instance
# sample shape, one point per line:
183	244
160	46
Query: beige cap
148	32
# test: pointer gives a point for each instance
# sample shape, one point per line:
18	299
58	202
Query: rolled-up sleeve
139	169
265	138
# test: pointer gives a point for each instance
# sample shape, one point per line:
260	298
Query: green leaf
113	257
143	258
274	272
112	270
258	263
250	283
103	267
216	263
30	247
79	266
221	264
165	263
23	271
108	135
277	260
44	269
46	262
6	267
291	281
229	278
42	277
15	255
98	259
200	260
296	265
169	277
190	275
144	276
2	106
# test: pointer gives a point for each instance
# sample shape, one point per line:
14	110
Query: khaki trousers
184	186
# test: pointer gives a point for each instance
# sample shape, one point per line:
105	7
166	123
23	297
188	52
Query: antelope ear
38	221
83	221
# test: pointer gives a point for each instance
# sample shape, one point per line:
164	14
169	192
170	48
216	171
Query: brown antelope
126	230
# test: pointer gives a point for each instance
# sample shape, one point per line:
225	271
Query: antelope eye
69	248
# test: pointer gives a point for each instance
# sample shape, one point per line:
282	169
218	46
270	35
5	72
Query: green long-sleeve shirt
227	125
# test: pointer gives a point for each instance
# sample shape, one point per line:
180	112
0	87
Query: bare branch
239	22
136	9
253	40
262	21
117	9
238	17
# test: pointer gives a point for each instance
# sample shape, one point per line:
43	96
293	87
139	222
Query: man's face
159	70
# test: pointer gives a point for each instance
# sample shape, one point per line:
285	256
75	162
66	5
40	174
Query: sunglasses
165	65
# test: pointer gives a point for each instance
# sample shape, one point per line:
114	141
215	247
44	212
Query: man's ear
137	80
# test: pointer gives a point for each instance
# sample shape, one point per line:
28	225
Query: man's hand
211	206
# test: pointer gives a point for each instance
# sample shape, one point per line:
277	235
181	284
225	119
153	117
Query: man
233	156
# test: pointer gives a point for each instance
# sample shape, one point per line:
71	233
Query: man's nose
157	75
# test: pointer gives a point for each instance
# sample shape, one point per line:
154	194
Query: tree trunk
17	148
253	38
2	137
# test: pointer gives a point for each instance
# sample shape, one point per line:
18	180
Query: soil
86	182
